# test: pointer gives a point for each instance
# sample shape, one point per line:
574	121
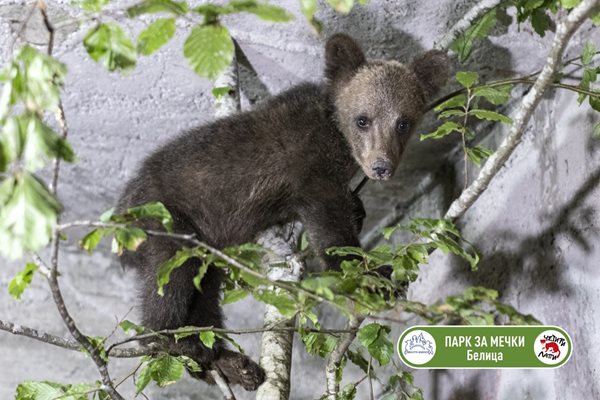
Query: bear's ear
343	57
432	70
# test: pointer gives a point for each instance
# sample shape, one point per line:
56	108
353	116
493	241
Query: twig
113	351
222	384
564	31
370	379
191	238
466	22
52	277
166	332
335	359
69	344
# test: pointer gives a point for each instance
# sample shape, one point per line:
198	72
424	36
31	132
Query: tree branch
336	356
471	17
564	31
276	346
222	384
52	277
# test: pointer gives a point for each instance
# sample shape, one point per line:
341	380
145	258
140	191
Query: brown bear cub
291	158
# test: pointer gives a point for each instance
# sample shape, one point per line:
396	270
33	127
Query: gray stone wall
536	226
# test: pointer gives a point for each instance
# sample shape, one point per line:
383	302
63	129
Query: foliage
458	109
28	211
463	45
31	390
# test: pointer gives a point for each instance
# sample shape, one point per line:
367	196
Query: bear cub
290	158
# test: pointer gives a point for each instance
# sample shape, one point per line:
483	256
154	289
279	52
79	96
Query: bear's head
379	103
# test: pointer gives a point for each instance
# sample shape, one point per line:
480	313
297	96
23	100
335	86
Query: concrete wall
536	227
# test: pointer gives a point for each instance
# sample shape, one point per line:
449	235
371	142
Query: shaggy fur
291	158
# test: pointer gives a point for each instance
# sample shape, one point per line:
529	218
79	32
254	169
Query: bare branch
564	31
52	277
335	359
222	384
470	18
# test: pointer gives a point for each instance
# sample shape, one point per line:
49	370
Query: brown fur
289	159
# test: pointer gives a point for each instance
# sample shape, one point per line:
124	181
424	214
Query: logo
551	347
418	347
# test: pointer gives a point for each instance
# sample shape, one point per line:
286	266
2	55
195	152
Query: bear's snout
382	169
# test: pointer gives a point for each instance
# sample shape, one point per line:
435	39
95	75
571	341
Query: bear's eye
403	126
363	122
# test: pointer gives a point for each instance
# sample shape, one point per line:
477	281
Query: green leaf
348	392
28	216
491	116
463	45
319	343
264	11
467	78
143	379
568	4
496	95
309	8
478	153
93	5
284	303
453	102
164	271
129	326
341	6
540	21
587	53
443	130
108	44
596	19
200	275
154	210
207	338
157	6
374	338
595	102
129	238
221	91
234	295
209	50
34	79
98	343
156	35
92	239
30	139
22	280
389	231
31	390
164	370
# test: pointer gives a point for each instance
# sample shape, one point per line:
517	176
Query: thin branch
166	332
52	277
191	238
564	32
522	79
133	352
221	382
336	356
467	21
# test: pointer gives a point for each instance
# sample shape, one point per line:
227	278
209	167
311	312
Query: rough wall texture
537	225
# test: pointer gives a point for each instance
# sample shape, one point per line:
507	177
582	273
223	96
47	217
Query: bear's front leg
333	220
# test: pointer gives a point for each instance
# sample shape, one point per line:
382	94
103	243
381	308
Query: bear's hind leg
237	368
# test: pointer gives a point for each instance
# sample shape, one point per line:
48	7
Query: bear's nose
382	169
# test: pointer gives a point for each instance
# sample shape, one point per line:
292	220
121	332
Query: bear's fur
290	158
